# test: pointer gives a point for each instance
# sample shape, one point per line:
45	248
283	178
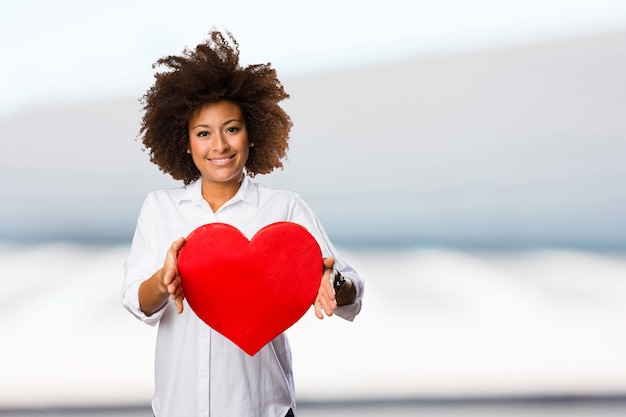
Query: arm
146	270
349	301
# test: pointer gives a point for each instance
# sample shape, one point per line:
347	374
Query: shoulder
283	201
167	192
266	193
167	195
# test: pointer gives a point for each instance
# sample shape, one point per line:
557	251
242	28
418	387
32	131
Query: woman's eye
203	133
232	129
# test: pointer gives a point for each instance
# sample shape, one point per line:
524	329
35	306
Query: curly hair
208	74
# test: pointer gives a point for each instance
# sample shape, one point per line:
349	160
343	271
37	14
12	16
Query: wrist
345	292
339	282
160	283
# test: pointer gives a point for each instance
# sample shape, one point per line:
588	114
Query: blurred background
466	158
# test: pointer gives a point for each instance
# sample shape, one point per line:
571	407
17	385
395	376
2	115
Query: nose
220	144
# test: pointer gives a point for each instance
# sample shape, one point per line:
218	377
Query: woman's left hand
325	300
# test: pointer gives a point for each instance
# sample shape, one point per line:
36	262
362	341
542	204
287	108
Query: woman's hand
325	300
166	282
170	277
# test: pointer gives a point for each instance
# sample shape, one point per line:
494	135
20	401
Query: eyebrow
227	122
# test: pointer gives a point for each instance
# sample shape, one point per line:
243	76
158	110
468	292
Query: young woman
215	125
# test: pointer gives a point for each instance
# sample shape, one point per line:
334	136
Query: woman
214	125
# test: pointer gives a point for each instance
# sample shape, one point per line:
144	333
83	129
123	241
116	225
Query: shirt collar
247	192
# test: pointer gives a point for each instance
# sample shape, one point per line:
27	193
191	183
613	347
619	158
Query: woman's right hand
170	277
164	283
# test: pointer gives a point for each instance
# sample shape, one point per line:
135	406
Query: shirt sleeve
141	263
303	215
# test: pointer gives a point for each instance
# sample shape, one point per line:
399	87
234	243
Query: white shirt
199	372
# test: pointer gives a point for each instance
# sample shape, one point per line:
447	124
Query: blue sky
71	50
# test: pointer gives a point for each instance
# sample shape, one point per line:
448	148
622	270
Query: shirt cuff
130	300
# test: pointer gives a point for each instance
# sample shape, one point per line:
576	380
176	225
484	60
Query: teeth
220	160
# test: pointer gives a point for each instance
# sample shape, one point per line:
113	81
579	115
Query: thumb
329	263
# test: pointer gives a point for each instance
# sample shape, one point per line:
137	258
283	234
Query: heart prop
250	291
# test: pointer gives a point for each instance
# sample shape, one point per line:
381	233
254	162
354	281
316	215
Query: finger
329	290
178	244
326	289
325	301
177	294
168	279
319	309
172	253
175	289
327	304
171	263
174	292
179	304
326	285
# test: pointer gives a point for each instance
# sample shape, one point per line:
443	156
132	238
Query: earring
252	145
188	151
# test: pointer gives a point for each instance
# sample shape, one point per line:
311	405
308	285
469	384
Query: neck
217	193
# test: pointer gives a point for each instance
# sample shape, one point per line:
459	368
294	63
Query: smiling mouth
221	161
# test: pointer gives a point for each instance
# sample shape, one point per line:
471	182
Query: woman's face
218	141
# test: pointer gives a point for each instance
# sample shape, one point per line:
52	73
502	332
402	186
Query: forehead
217	111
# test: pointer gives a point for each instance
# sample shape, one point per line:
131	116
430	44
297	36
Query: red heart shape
250	291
